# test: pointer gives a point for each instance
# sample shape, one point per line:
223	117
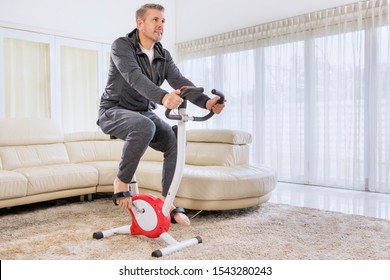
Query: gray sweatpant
140	130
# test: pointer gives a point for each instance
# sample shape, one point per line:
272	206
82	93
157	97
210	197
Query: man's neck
148	47
145	42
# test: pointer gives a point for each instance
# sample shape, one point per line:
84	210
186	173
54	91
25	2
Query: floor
346	201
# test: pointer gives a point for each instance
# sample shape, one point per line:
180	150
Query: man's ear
139	23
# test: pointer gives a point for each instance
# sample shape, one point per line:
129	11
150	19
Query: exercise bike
150	215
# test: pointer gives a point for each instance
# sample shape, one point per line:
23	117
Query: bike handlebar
194	90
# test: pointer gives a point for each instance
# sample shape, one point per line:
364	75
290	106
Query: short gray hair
140	13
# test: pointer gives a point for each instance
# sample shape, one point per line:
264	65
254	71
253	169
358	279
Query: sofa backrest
27	142
29	131
221	147
212	147
228	136
92	146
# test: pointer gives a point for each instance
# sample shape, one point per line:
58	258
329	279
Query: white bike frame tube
118	230
134	186
168	238
181	155
178	246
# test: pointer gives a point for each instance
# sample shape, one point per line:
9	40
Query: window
52	77
314	92
25	75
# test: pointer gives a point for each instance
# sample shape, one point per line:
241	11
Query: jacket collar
158	48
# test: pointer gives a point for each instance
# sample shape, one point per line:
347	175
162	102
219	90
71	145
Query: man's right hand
172	100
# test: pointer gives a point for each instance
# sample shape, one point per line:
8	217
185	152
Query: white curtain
378	107
313	90
26	78
52	77
79	87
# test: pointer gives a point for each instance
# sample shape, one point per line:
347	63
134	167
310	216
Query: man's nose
160	23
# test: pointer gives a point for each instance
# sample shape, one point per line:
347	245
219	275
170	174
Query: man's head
150	23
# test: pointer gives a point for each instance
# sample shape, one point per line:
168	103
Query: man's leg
137	131
164	140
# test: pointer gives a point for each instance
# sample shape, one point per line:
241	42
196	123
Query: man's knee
143	129
170	142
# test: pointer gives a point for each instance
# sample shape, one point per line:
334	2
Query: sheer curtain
378	107
79	88
54	77
313	90
26	78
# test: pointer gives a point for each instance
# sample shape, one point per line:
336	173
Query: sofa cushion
12	184
51	178
29	131
14	157
107	171
226	183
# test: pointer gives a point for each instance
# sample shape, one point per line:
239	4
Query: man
138	67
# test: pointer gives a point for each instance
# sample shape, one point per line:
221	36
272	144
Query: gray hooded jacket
134	83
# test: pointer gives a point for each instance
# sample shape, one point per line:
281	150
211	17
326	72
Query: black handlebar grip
220	94
187	91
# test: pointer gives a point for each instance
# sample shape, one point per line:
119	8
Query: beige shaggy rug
63	230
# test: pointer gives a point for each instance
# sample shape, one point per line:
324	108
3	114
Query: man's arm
125	60
176	80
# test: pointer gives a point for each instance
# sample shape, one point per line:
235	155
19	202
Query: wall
94	20
104	21
202	18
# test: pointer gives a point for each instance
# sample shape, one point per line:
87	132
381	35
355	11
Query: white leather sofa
38	162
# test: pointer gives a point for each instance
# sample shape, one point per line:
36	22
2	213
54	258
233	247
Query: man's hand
172	100
213	106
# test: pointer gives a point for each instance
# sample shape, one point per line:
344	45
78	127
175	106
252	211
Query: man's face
152	26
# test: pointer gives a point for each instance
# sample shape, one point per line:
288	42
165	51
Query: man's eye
157	20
